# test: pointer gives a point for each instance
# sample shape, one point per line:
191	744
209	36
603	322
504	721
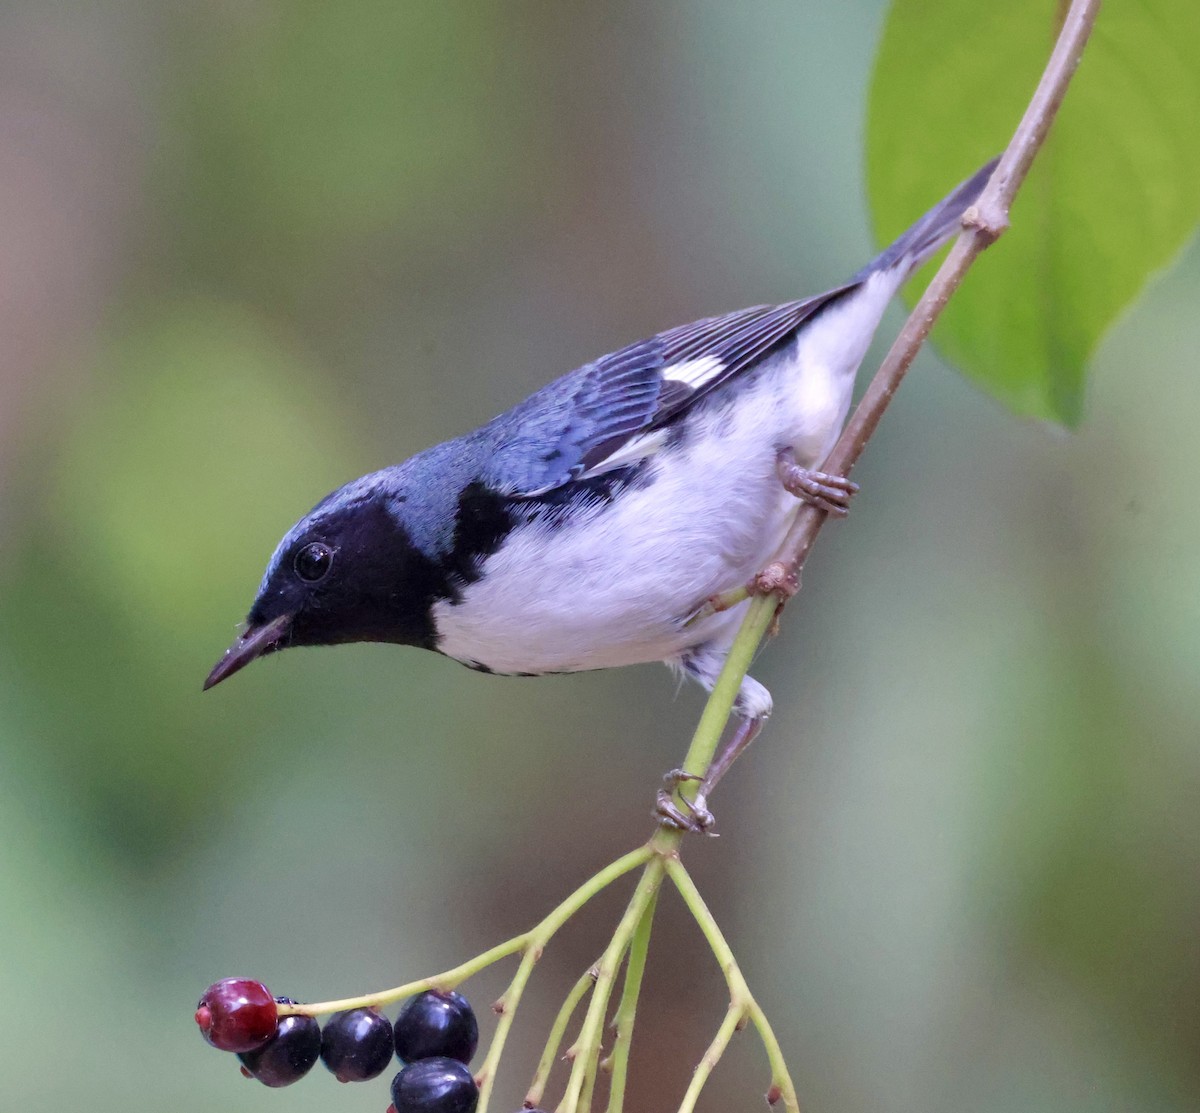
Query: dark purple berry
438	1085
357	1045
436	1024
237	1014
288	1055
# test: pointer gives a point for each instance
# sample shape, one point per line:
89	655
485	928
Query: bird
587	526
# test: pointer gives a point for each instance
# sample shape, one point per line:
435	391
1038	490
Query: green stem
719	706
635	968
724	601
448	979
985	221
530	942
587	1047
537	1087
734	1016
633	931
506	1007
739	992
589	1085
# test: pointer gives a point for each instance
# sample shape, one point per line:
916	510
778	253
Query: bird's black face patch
352	576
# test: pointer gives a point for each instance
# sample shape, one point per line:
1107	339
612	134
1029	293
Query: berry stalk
618	1060
735	1017
528	942
741	999
533	1096
506	1009
587	1047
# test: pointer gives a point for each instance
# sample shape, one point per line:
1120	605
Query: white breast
613	586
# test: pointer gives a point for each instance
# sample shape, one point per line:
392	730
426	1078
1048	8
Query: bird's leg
698	818
831	493
750	708
745	733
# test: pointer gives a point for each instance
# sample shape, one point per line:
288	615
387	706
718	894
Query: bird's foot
696	818
831	493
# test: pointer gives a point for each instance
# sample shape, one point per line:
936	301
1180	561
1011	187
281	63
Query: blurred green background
249	250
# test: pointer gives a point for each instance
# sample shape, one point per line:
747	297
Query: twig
720	702
740	997
983	224
587	1047
635	967
712	1056
531	941
537	1087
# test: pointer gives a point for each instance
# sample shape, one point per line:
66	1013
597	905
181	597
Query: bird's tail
933	229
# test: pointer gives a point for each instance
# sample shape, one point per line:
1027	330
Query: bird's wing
615	412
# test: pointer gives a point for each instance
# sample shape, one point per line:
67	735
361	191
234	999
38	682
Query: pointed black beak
253	643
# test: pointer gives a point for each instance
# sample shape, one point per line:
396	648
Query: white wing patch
631	452
694	373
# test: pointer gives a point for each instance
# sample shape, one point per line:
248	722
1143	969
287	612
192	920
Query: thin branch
635	968
537	1087
529	941
733	1018
506	1009
587	1047
719	705
983	224
741	1000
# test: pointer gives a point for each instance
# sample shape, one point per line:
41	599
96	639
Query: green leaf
1112	198
310	134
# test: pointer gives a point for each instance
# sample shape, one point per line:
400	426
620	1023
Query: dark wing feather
604	417
575	426
541	443
738	340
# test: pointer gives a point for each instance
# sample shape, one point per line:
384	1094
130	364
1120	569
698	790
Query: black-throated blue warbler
584	527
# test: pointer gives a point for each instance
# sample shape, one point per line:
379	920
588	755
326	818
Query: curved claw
696	819
673	778
669	814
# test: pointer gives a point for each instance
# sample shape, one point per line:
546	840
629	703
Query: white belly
614	586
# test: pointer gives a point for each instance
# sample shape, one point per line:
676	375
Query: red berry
237	1014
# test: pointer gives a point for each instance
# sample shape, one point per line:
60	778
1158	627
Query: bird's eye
313	562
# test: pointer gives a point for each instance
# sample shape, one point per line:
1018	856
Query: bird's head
348	571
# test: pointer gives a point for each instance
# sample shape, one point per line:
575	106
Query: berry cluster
434	1038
